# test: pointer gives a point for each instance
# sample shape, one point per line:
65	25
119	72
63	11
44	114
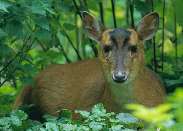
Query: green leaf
126	118
95	126
176	127
2	33
84	114
117	127
42	21
6	51
98	110
49	118
51	126
155	115
178	8
4	5
65	113
14	28
37	8
43	35
69	26
142	7
69	127
19	114
7	90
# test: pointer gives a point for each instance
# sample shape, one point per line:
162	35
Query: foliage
7	96
36	33
96	120
167	116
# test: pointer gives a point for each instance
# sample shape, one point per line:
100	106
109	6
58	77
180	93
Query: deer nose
119	76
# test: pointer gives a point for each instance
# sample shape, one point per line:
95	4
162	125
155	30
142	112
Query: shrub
167	116
96	120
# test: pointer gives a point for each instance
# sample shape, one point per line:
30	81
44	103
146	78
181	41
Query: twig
131	13
113	12
63	51
154	54
127	12
91	43
77	8
72	44
18	54
154	42
101	12
163	37
77	31
175	33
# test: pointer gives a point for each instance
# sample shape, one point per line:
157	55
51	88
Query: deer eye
133	49
107	48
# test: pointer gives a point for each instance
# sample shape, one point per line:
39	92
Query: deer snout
119	76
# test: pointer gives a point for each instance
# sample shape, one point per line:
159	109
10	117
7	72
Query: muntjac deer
117	77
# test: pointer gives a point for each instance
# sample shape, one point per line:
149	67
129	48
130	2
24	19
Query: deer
118	76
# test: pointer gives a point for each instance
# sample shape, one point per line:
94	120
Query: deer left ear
92	26
148	26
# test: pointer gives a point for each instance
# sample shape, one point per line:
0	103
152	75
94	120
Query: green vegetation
36	33
97	119
167	117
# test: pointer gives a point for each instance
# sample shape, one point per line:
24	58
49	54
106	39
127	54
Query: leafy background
36	33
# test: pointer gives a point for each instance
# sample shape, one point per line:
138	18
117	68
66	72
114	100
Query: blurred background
36	33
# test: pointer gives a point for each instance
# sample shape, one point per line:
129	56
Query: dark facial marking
119	37
133	48
107	48
119	43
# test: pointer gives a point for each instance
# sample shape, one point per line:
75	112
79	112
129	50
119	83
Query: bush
96	120
167	116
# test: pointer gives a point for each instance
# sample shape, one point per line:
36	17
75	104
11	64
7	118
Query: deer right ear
148	26
93	27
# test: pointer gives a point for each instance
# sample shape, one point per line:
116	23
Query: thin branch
17	55
61	49
175	33
77	8
113	13
154	42
163	37
152	5
101	12
7	79
85	2
127	12
94	48
78	11
57	41
132	13
45	49
154	54
72	44
77	32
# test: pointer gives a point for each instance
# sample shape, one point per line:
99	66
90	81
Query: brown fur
23	97
82	84
61	86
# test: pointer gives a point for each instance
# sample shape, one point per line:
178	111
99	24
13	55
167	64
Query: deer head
121	50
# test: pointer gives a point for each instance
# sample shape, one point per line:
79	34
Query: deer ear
148	26
93	27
